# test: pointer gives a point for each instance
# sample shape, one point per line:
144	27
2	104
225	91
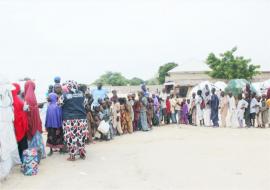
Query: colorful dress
136	109
75	124
184	115
53	123
143	115
34	133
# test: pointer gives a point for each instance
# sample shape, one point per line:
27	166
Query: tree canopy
228	66
135	81
112	78
117	79
152	81
163	71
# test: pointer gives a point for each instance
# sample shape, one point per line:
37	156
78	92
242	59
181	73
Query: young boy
241	106
254	104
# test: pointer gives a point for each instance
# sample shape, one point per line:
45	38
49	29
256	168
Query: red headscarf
34	121
20	117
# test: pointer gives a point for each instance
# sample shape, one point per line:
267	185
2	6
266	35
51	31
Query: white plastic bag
104	127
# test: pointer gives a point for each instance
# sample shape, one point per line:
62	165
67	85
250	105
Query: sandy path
165	158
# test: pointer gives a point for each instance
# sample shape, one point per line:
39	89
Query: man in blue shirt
99	93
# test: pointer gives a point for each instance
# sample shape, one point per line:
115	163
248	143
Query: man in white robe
232	114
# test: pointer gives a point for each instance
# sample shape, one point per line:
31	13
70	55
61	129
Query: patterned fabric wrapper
30	162
75	134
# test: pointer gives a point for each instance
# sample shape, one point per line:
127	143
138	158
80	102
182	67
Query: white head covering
6	99
5	85
8	145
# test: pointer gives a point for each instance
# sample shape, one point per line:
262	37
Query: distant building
191	73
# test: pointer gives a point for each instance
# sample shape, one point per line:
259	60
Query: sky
82	39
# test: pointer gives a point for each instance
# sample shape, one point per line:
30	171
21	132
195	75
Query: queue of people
206	108
77	116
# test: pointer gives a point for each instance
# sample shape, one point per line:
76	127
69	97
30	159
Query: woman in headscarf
168	110
34	122
143	116
136	109
74	121
20	120
53	124
150	111
9	155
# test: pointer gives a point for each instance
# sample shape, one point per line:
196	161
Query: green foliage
135	81
163	71
117	79
227	66
153	81
112	78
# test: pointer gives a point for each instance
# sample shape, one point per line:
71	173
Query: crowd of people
247	109
77	116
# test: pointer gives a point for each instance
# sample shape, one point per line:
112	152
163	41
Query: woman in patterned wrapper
74	121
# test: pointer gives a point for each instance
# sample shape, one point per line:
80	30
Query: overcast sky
81	39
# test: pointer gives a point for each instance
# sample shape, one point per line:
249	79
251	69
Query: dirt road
165	158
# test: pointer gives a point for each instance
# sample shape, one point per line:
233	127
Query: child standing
253	109
241	106
184	116
53	124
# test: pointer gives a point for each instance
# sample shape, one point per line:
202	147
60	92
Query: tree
112	78
163	71
228	66
152	81
135	81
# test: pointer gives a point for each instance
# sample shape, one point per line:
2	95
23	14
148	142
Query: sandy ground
165	158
